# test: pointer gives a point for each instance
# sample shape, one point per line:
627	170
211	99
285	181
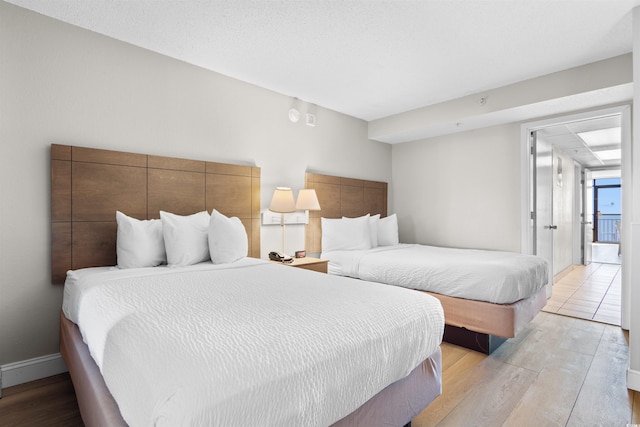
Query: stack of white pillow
364	232
179	241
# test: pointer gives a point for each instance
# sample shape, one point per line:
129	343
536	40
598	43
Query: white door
544	204
587	220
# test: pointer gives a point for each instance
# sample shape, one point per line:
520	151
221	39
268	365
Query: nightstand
308	263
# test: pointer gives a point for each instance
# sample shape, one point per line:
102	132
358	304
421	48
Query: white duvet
491	276
251	343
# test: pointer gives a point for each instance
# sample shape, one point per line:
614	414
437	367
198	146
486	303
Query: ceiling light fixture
608	154
602	137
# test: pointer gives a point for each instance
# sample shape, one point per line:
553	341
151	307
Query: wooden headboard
338	197
88	185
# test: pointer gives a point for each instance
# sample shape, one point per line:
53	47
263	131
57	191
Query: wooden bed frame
477	325
87	187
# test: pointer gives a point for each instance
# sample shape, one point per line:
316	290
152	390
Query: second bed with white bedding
492	276
249	343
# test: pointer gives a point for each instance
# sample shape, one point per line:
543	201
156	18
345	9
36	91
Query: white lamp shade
282	201
307	200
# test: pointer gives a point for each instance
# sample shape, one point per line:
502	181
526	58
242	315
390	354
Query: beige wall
62	84
460	190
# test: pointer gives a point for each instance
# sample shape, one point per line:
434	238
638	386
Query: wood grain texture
185	165
61	257
307	263
176	191
635	419
98	190
559	381
254	238
60	152
491	401
230	195
604	398
61	190
44	403
462	376
93	244
572	387
88	185
351	201
60	211
375	199
108	157
255	197
329	198
341	196
229	169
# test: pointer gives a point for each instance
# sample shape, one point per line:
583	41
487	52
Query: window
607	208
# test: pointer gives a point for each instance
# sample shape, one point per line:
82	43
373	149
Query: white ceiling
568	137
368	59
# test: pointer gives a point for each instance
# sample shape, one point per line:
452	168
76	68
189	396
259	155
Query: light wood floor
591	292
560	371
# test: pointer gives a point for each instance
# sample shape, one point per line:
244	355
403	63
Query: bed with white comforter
248	343
493	276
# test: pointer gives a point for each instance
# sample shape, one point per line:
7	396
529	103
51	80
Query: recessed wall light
294	111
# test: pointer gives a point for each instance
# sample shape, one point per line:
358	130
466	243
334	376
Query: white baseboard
30	370
633	379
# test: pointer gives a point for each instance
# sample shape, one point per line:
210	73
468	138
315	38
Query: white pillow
228	240
388	231
139	243
373	228
348	234
185	238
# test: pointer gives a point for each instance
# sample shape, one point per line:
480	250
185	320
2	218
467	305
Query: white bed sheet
491	276
250	343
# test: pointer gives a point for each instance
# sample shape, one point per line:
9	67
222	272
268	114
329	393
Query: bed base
483	343
395	405
483	326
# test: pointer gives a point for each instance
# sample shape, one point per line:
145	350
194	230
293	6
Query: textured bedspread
491	276
249	344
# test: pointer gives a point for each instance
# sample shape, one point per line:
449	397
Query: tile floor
590	292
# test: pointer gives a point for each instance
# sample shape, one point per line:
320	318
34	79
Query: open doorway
580	148
608	216
592	288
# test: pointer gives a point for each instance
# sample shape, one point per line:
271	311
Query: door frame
588	216
578	211
542	192
526	200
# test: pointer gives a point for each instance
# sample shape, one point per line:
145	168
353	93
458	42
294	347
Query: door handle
550	227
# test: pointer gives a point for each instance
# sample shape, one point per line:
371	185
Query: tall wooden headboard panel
88	185
338	197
